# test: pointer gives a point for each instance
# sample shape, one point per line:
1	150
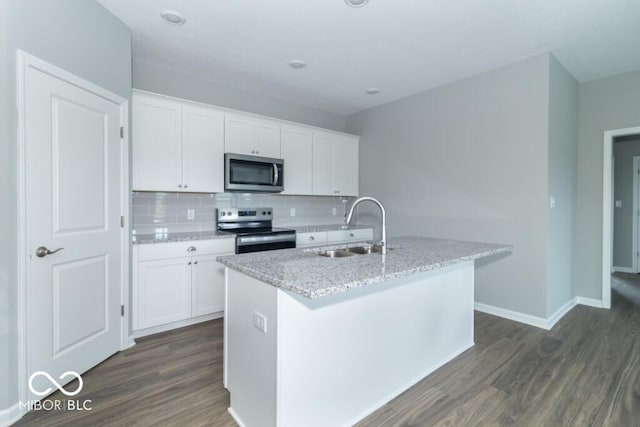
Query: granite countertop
303	272
143	239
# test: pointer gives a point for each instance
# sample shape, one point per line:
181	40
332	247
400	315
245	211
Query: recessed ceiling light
372	91
173	17
356	3
297	64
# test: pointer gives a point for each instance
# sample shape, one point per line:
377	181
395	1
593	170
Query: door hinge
122	221
121	132
122	310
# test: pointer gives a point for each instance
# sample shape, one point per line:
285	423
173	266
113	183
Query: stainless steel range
253	229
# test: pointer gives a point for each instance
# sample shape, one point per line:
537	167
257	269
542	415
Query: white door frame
636	217
24	62
607	209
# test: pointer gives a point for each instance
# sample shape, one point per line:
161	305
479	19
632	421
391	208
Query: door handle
42	251
275	174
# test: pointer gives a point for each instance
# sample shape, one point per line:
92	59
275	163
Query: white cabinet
177	146
296	147
320	238
356	235
177	282
317	238
335	164
253	137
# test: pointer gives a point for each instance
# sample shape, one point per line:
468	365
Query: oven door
246	244
252	173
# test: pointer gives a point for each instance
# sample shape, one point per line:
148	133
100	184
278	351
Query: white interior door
73	204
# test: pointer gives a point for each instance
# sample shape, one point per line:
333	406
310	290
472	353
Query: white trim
538	322
590	302
622	269
607	208
24	61
235	417
125	232
10	415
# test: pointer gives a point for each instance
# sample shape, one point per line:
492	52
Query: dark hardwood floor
584	372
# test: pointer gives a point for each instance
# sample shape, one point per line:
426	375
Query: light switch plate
191	214
618	203
292	211
334	211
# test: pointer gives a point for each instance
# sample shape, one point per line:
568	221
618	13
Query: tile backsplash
168	212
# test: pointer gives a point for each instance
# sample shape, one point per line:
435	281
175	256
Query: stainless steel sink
356	250
338	253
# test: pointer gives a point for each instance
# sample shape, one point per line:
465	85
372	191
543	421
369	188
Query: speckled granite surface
143	239
329	227
312	276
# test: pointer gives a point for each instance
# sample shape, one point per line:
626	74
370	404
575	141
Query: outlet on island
292	211
260	321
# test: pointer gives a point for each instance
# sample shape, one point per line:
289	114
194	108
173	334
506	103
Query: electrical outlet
191	214
618	203
552	202
334	211
260	321
293	212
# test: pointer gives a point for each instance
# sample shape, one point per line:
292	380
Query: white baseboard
538	322
591	302
131	342
10	415
559	314
174	325
622	269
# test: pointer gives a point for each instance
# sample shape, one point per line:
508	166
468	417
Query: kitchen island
313	340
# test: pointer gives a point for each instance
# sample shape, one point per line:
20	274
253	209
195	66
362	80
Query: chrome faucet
383	241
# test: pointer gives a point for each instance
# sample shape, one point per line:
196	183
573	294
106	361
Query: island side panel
343	356
250	353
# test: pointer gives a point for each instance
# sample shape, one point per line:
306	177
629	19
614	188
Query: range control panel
244	214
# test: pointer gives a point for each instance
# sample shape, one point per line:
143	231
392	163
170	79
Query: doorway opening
608	210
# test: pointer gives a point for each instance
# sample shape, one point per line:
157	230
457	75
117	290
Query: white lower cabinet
320	238
177	283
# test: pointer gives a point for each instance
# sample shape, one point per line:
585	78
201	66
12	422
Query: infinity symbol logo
54	382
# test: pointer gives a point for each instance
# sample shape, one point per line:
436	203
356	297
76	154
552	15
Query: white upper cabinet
296	147
202	149
177	146
157	147
253	137
335	164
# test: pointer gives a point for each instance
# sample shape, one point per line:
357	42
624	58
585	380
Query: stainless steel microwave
253	173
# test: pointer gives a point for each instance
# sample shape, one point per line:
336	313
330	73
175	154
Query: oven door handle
250	240
276	174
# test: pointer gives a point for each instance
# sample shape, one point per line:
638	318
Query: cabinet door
267	139
156	144
297	151
163	292
207	281
202	150
239	135
345	166
322	164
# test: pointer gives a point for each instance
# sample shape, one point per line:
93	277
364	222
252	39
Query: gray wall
604	104
469	161
158	79
83	38
563	139
624	149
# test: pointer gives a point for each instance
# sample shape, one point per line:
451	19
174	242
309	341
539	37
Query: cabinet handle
257	151
191	249
195	262
312	238
179	185
350	234
185	186
189	263
253	151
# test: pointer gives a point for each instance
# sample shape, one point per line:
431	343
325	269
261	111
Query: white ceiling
400	46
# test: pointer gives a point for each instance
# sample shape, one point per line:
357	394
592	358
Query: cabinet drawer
350	235
180	249
311	239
